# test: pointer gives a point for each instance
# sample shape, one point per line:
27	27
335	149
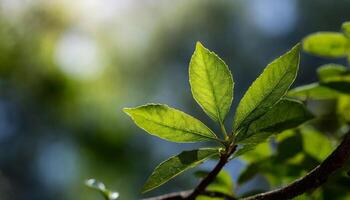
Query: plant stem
212	175
223	130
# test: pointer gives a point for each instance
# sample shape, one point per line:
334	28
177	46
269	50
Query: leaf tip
146	188
127	110
297	47
199	44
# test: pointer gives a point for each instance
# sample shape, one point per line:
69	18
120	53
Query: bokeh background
67	68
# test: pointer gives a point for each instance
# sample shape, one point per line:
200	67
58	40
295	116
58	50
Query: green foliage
169	123
343	107
334	81
261	113
330	72
101	188
346	29
267	89
327	44
313	140
211	83
314	91
176	165
284	115
223	183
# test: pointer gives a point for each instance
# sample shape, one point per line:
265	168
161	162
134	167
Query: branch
313	179
212	175
184	194
200	189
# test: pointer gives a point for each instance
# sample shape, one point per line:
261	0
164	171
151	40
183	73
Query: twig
313	179
183	195
200	189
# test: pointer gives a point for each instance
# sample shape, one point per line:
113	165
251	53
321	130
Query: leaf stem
212	175
223	130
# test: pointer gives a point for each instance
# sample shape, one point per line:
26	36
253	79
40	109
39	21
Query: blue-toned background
67	68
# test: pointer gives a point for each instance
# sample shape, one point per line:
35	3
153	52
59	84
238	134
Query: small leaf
316	144
260	151
223	183
286	114
343	107
211	83
314	91
327	72
176	165
336	77
289	147
346	29
268	88
327	44
100	187
170	124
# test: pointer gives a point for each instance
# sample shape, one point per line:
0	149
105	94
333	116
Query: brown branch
184	194
313	179
212	175
200	189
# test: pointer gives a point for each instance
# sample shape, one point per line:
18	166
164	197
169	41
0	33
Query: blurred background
67	68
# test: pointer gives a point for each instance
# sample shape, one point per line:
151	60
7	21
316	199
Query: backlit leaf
211	83
176	165
222	183
327	44
314	91
268	88
346	29
100	187
316	144
286	114
170	124
329	72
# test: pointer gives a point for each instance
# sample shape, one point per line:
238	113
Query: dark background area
67	68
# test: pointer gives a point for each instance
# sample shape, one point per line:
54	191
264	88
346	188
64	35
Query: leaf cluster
263	111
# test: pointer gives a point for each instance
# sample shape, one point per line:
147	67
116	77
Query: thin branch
184	194
313	179
200	189
172	196
212	175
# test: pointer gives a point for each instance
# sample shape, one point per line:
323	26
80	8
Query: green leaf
286	114
222	183
289	147
343	107
176	165
328	72
211	83
268	88
100	187
260	151
336	77
327	44
314	91
170	124
346	29
316	144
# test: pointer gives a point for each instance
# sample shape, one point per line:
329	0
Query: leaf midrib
212	89
177	129
279	81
